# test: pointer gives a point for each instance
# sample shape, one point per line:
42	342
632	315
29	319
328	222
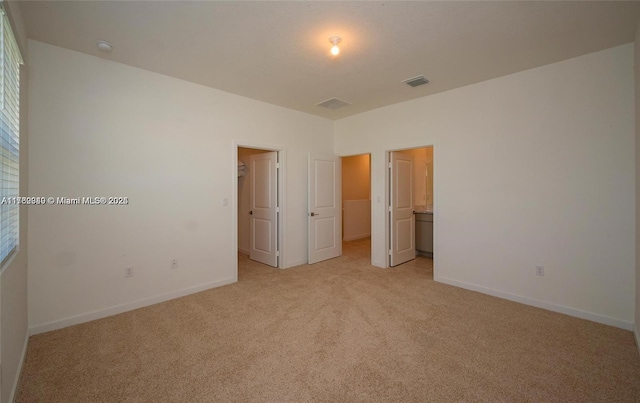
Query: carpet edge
114	310
594	317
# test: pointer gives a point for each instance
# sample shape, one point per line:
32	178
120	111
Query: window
10	61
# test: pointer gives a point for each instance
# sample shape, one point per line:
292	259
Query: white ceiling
278	52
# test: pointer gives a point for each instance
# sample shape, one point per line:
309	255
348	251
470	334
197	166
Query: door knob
314	214
251	212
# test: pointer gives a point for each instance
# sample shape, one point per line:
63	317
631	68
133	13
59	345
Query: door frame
282	162
387	200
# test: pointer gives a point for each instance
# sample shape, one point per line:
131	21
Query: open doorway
356	206
258	206
411	206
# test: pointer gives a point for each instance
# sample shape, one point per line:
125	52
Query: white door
401	220
325	208
263	227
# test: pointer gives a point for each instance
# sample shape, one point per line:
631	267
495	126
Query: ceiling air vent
416	81
333	103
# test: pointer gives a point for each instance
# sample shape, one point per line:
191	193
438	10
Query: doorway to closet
258	205
356	206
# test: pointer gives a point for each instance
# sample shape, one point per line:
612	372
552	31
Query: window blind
10	61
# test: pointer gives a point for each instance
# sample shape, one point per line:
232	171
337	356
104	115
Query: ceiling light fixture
104	46
335	49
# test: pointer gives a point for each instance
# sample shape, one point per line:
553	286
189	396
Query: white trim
243	251
16	380
378	263
594	317
129	306
295	263
436	212
387	208
10	257
637	334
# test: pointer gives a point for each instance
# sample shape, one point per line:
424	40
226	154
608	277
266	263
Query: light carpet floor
337	331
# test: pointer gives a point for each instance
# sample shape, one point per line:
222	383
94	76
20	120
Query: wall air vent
333	103
416	81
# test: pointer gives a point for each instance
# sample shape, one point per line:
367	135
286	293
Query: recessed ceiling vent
333	103
416	81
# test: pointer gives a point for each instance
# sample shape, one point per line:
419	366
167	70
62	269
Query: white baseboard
103	313
16	381
243	251
594	317
295	263
379	263
637	334
356	237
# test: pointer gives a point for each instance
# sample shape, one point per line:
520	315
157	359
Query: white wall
99	128
356	219
13	278
356	181
534	168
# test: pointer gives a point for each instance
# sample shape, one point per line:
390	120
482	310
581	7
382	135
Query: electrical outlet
174	264
539	270
128	271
